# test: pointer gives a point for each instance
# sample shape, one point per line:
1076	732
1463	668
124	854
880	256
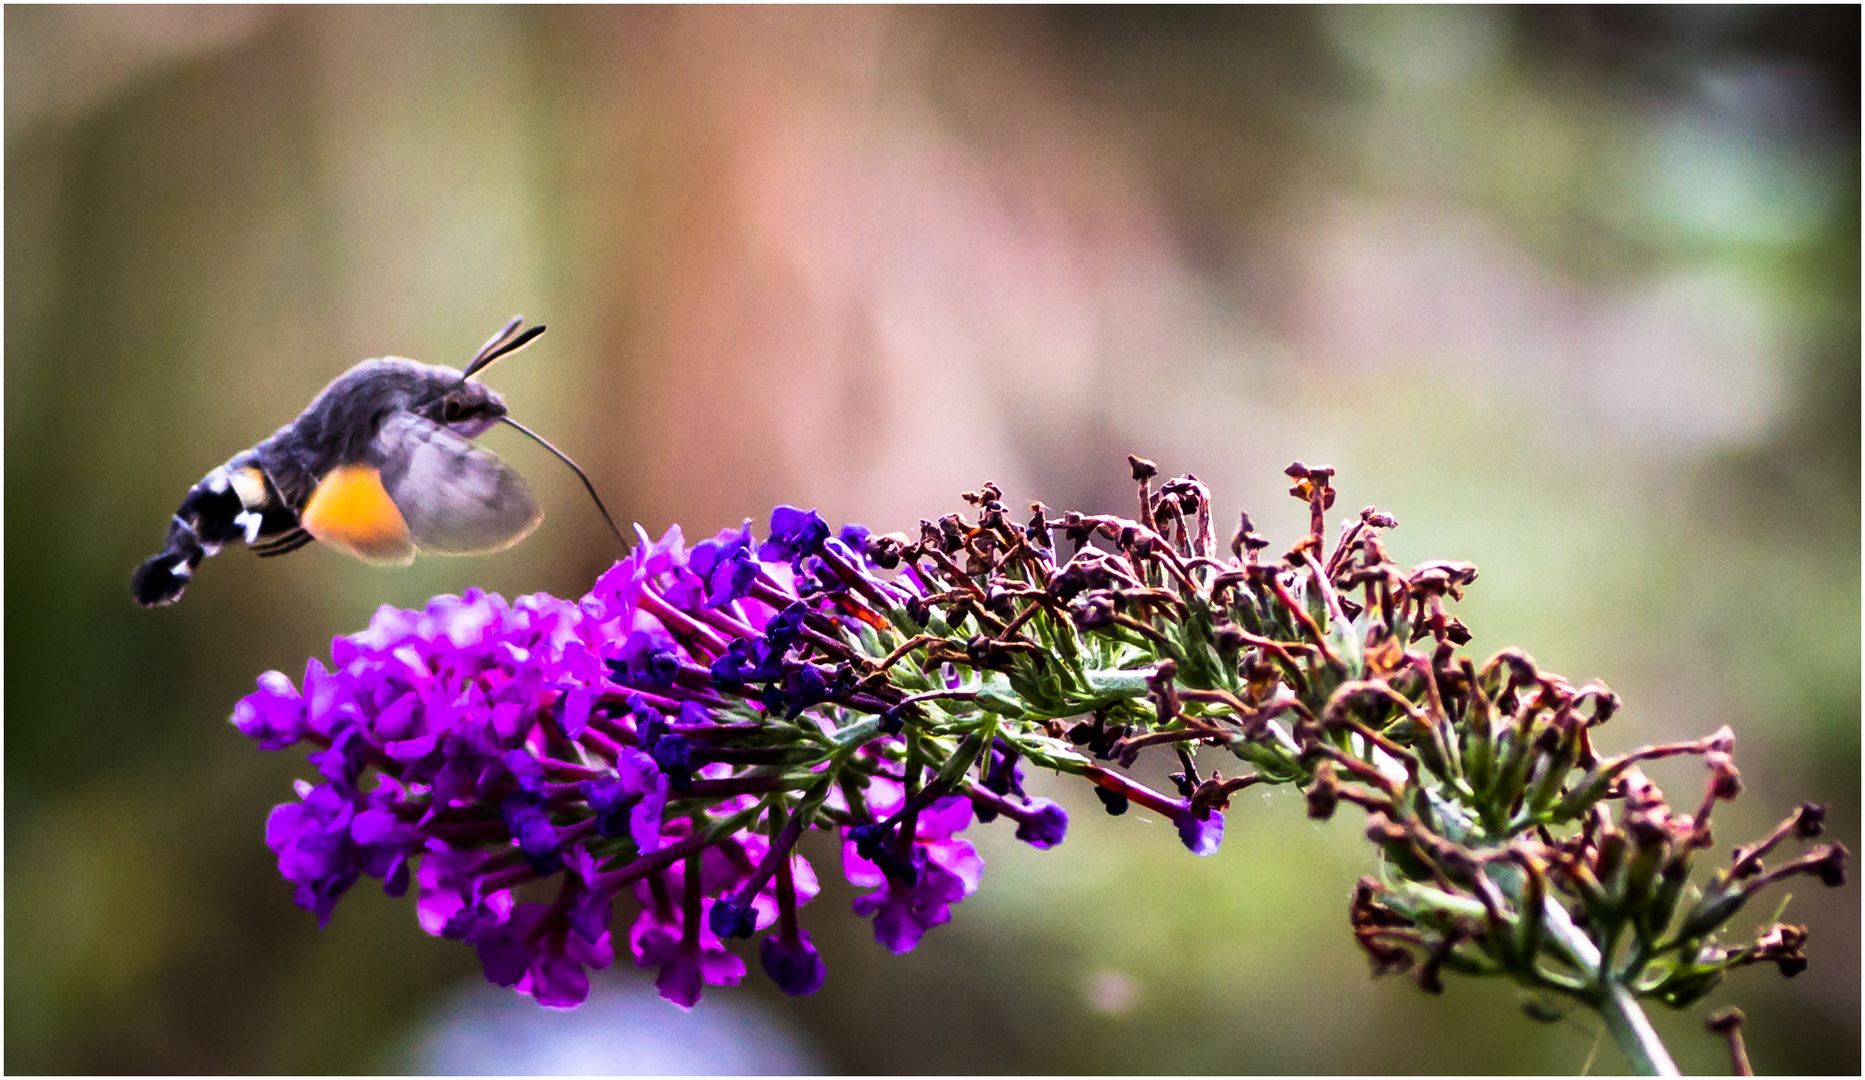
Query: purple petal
959	859
898	923
720	968
644	819
508	948
797	969
860	873
576	702
412	749
597	954
373	826
1201	836
327	701
680	981
947	815
508	720
558	983
397	721
274	714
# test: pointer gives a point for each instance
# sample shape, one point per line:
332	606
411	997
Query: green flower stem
1634	1033
1615	1003
1120	683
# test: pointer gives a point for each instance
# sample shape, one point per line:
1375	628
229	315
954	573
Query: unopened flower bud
1387	959
1785	946
1716	907
1037	531
729	919
1638	790
1647	829
894	720
1096	613
1725	781
1324	794
1381	830
1307	732
1114	801
1429	975
1522	670
1245	539
1724	1021
886	549
1044	825
869	840
1832	867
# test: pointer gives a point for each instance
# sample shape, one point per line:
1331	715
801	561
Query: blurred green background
1572	293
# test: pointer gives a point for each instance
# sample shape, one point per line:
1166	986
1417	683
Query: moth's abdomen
226	505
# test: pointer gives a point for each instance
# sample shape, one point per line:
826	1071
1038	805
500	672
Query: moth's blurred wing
456	498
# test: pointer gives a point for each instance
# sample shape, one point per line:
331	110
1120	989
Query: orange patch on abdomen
351	510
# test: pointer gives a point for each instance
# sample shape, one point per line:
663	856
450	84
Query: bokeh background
1572	293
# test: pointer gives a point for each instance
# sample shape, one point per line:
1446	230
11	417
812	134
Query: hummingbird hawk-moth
381	465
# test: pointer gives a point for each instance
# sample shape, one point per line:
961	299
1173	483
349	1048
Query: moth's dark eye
452	411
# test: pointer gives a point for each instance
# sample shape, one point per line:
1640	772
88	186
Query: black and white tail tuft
162	576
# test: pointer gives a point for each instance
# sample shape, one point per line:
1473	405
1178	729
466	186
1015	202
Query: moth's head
468	407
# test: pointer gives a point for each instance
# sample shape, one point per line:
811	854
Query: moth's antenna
498	339
578	469
501	344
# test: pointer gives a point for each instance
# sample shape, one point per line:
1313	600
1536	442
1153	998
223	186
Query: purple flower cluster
672	735
918	874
